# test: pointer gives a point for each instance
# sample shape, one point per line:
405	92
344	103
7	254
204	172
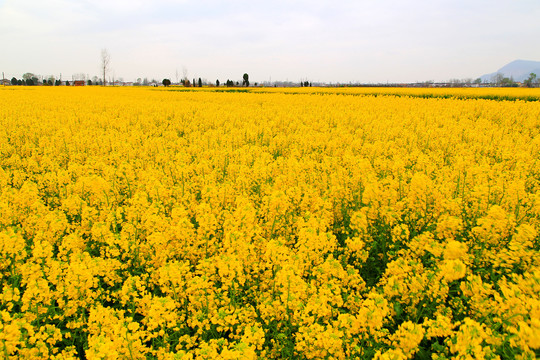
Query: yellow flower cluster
274	223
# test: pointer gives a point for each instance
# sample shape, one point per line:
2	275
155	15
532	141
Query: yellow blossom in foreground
269	223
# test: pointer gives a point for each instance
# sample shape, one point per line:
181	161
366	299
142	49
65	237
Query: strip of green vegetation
218	90
527	98
460	97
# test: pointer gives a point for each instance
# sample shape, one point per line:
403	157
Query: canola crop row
149	224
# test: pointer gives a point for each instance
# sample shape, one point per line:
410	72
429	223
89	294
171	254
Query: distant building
79	83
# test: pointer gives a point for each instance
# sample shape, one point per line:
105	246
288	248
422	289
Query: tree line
229	83
49	82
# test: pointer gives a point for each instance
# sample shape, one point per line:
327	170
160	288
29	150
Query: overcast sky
317	40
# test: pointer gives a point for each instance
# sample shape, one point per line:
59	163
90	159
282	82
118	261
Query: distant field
488	93
301	223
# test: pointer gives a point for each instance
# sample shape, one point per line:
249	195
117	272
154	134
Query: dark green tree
217	83
19	82
246	80
27	76
166	82
508	82
29	82
67	83
89	82
200	82
14	81
531	80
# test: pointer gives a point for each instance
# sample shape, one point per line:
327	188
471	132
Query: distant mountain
518	69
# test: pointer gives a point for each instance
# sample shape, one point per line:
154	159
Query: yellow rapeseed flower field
144	223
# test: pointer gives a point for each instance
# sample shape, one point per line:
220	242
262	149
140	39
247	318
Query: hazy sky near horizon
318	40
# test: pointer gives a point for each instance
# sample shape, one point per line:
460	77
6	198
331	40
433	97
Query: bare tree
184	75
497	79
105	62
79	76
